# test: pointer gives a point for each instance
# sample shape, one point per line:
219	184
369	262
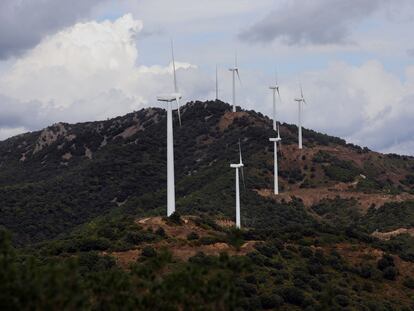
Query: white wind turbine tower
169	98
300	101
235	71
276	172
275	89
237	167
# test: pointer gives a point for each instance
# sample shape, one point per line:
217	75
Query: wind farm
138	172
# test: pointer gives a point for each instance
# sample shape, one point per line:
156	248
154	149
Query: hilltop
340	234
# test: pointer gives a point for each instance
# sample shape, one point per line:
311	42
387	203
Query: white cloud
86	72
364	104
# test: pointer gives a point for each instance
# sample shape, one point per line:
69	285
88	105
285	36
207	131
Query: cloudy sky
85	60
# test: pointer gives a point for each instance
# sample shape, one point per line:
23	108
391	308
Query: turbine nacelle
277	139
169	97
238	165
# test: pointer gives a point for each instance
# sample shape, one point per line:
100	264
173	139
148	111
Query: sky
84	60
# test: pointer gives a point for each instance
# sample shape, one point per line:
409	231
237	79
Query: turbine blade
242	176
278	94
238	76
240	153
235	59
174	69
178	110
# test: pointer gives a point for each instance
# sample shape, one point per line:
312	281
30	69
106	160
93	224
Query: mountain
88	197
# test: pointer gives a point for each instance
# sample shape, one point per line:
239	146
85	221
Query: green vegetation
64	217
390	216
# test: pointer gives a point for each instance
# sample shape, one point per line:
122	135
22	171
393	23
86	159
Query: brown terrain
323	189
177	242
360	254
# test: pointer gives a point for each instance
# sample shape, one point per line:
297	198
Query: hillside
89	197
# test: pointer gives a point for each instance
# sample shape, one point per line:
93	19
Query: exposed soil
311	196
228	118
390	234
177	243
362	254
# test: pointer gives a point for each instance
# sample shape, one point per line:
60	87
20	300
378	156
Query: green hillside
80	205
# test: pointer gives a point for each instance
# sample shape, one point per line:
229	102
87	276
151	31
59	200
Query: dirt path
313	196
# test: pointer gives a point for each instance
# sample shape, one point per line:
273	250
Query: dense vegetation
71	194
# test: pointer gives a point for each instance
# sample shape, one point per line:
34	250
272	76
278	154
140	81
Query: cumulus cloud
312	22
364	104
85	72
23	23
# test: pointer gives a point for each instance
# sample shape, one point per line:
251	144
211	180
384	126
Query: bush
271	301
138	237
385	262
390	273
192	236
175	219
365	271
235	238
149	252
342	300
161	232
293	295
92	261
409	282
208	240
306	252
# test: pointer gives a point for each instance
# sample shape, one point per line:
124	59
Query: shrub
207	240
390	273
134	237
235	238
161	232
385	262
175	219
271	301
409	282
149	252
293	295
192	236
365	271
342	300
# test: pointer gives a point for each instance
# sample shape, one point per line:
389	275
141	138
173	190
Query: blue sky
93	59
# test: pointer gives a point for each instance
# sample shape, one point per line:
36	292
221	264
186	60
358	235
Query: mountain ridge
87	200
120	157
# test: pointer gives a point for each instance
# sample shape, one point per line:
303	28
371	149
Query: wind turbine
276	173
301	100
169	98
175	82
238	166
275	89
235	71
